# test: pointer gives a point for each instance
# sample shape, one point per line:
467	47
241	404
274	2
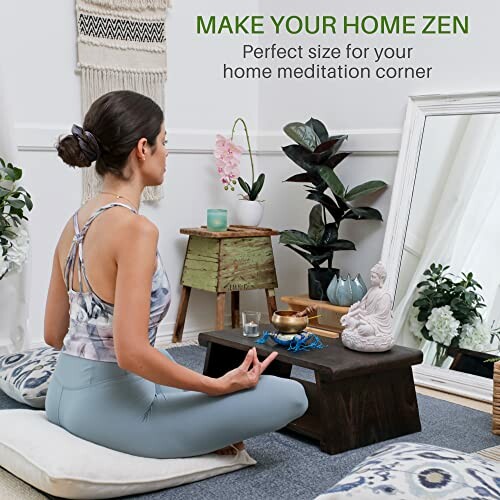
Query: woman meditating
108	293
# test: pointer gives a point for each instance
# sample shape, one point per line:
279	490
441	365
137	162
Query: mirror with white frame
443	237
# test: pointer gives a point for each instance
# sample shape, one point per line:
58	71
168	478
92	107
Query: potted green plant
317	153
447	313
14	199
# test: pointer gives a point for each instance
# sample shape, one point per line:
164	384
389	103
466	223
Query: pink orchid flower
227	160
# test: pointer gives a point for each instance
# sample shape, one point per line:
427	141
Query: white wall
38	53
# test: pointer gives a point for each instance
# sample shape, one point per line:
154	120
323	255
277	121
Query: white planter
249	213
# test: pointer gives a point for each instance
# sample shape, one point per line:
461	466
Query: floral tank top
90	333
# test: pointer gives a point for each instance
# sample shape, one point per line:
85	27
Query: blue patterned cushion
25	376
411	470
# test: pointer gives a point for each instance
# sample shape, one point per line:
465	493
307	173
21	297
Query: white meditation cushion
55	461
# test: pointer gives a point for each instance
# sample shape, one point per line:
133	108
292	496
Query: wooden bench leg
219	316
367	409
181	314
271	302
235	309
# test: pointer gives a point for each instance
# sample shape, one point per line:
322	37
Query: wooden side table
240	258
333	329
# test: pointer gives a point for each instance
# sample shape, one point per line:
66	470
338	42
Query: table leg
368	409
235	309
271	302
219	316
181	314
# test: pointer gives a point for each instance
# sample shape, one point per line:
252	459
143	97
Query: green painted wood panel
246	264
201	264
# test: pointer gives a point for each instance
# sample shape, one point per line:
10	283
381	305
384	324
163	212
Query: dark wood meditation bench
358	398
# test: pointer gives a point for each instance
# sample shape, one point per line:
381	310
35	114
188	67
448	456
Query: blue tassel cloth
303	341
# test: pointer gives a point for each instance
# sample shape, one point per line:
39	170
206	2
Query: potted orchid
227	160
14	239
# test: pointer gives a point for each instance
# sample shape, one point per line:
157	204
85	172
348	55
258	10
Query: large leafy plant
317	154
14	200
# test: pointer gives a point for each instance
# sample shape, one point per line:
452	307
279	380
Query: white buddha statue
368	324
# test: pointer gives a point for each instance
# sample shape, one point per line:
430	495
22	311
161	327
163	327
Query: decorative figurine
368	324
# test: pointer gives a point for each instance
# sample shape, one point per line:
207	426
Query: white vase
249	213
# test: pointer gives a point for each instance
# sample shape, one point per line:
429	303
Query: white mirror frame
419	108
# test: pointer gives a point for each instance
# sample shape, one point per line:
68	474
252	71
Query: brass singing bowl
286	322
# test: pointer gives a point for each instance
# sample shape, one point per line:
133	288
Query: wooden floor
452	398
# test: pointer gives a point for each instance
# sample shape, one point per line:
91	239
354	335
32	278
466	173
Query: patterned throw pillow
25	376
411	470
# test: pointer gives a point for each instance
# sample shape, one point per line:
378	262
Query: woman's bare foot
232	449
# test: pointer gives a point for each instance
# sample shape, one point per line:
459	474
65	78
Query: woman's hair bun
69	150
111	129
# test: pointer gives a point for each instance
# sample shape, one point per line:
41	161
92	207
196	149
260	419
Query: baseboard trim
454	382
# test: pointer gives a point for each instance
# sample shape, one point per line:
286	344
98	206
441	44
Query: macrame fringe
114	44
120	70
95	83
132	4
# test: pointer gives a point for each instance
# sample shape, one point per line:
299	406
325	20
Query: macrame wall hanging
121	46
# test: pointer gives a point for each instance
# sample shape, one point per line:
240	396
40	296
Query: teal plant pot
332	290
358	288
344	291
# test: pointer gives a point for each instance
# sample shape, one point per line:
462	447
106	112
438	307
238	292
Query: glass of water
250	321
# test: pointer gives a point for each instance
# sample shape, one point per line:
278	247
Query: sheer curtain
14	287
462	230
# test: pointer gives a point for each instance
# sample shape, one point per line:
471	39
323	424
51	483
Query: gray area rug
289	466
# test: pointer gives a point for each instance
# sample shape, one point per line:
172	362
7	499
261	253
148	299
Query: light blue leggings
100	402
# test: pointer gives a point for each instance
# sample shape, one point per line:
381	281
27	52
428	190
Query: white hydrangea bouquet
14	200
447	312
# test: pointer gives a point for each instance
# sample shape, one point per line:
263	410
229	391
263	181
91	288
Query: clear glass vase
440	355
435	354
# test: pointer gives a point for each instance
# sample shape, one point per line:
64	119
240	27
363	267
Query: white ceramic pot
249	213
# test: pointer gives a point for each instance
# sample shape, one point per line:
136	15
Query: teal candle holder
216	219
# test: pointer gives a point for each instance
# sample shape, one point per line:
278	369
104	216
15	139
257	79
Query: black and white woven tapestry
121	46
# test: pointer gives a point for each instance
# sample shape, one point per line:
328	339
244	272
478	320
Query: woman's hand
245	377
